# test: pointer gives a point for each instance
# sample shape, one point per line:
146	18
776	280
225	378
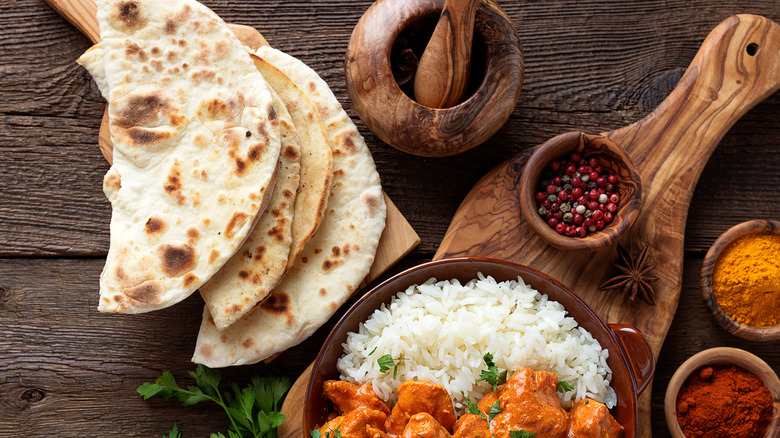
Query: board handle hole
752	49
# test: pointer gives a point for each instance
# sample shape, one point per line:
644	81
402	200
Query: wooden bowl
724	356
611	157
630	356
416	129
744	331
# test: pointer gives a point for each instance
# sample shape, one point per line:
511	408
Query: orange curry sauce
528	402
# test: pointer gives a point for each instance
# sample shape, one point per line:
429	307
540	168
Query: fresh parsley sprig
252	410
492	375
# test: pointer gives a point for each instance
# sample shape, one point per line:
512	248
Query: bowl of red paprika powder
740	280
723	392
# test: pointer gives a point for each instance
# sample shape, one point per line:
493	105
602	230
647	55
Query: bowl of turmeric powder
740	280
723	391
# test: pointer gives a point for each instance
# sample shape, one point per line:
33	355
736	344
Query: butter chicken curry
526	402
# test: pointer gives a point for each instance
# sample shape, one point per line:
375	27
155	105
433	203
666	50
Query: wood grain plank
595	73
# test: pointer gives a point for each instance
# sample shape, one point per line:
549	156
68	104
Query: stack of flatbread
234	173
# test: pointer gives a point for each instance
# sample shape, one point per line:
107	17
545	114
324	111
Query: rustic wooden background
594	65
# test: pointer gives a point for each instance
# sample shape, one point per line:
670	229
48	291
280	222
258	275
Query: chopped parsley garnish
336	433
473	408
492	375
564	386
494	410
386	362
521	434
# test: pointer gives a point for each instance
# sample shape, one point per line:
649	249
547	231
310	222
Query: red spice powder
724	401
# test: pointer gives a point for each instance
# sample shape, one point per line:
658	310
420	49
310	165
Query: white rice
442	330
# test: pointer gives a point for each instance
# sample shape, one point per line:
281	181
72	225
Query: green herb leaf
492	375
251	410
564	386
174	432
488	358
385	363
494	410
314	433
473	408
373	351
521	434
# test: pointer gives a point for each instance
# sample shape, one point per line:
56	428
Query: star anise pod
633	278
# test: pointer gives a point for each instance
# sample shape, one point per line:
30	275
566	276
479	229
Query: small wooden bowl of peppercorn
580	192
713	391
740	280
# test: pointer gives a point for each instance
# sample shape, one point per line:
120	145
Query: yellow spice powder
746	279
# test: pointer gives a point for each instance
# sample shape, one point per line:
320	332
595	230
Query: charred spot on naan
154	225
112	182
218	109
233	138
278	303
207	350
145	117
372	202
235	223
278	232
213	256
175	260
131	48
173	183
141	108
128	14
148	292
189	279
193	233
292	153
174	20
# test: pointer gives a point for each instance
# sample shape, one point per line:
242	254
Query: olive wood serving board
398	238
737	66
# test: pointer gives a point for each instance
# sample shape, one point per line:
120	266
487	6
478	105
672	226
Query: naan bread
251	274
246	280
333	263
196	145
316	161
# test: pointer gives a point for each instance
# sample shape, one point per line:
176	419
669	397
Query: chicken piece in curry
526	402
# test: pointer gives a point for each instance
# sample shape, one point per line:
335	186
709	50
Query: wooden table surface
594	65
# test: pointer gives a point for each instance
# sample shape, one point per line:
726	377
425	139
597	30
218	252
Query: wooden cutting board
398	237
737	66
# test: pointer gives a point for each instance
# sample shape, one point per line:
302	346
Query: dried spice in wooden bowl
746	279
724	401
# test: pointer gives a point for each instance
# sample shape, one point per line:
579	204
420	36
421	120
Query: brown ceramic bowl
744	331
401	122
630	356
722	356
611	157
